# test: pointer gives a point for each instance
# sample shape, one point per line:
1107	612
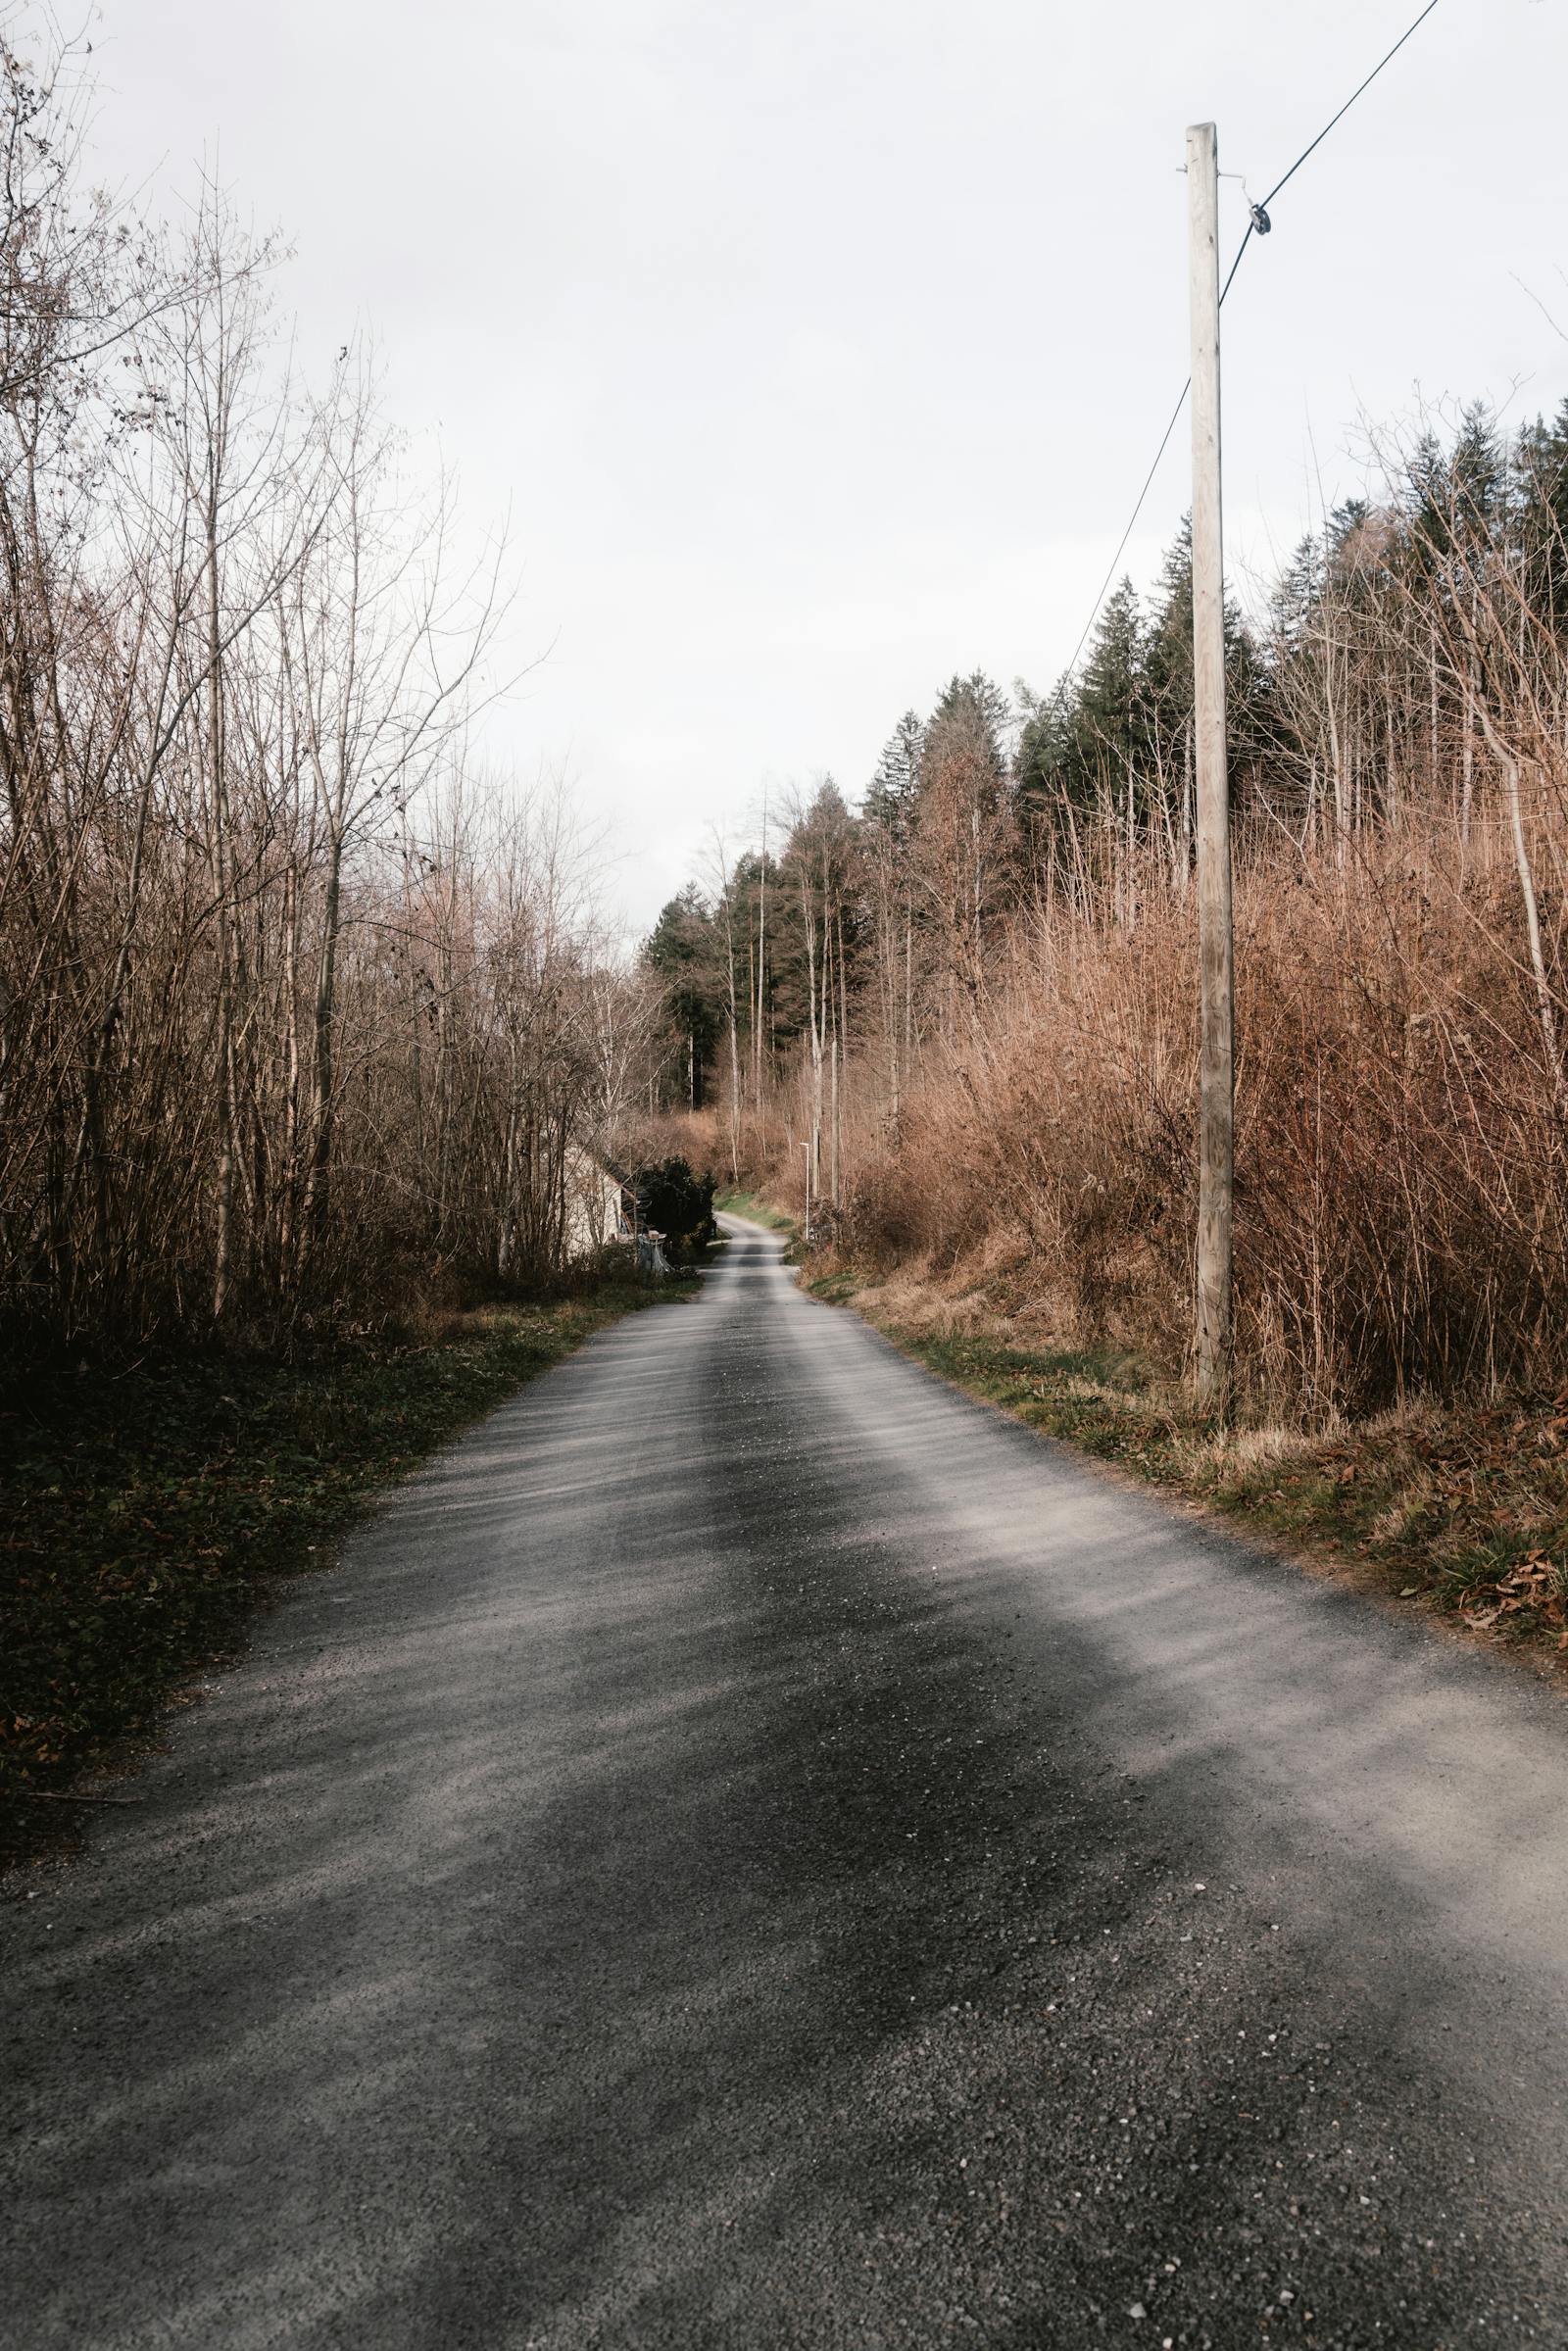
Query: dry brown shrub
1399	1176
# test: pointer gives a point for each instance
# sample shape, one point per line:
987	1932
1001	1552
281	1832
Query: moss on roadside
144	1514
1460	1509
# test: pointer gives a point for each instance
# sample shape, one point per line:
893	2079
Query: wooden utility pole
1217	1082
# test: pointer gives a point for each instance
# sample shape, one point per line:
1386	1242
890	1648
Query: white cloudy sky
817	346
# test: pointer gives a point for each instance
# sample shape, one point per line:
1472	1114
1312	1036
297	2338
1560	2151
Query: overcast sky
817	347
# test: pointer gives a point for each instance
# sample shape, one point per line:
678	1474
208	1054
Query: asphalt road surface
754	1849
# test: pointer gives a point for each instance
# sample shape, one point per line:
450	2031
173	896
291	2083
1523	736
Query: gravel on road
752	1849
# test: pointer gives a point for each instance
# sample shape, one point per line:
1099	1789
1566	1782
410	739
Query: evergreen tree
1125	725
1080	745
1293	603
683	953
1540	498
978	706
1454	508
895	786
965	832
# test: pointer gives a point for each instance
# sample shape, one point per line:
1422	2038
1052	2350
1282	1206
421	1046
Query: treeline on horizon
967	1007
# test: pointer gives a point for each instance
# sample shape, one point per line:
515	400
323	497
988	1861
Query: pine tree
895	787
1078	746
1540	498
683	953
978	705
1109	732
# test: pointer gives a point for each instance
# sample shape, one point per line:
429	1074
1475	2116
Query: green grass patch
1099	1400
754	1209
1461	1508
839	1289
143	1515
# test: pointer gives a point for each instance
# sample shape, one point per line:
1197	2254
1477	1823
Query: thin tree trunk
1544	1006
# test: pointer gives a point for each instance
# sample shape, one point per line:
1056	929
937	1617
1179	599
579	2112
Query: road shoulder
1455	1513
149	1516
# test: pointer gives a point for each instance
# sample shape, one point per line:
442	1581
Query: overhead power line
1132	524
1258	225
1349	103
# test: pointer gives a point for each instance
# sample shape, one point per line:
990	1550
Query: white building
601	1202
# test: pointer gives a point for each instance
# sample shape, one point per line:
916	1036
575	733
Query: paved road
753	1849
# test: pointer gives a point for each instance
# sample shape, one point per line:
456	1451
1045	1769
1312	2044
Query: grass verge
143	1516
1461	1510
755	1209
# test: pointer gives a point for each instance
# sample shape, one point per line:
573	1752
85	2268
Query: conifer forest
963	996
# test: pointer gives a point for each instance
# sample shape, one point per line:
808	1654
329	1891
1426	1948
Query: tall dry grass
1400	1206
